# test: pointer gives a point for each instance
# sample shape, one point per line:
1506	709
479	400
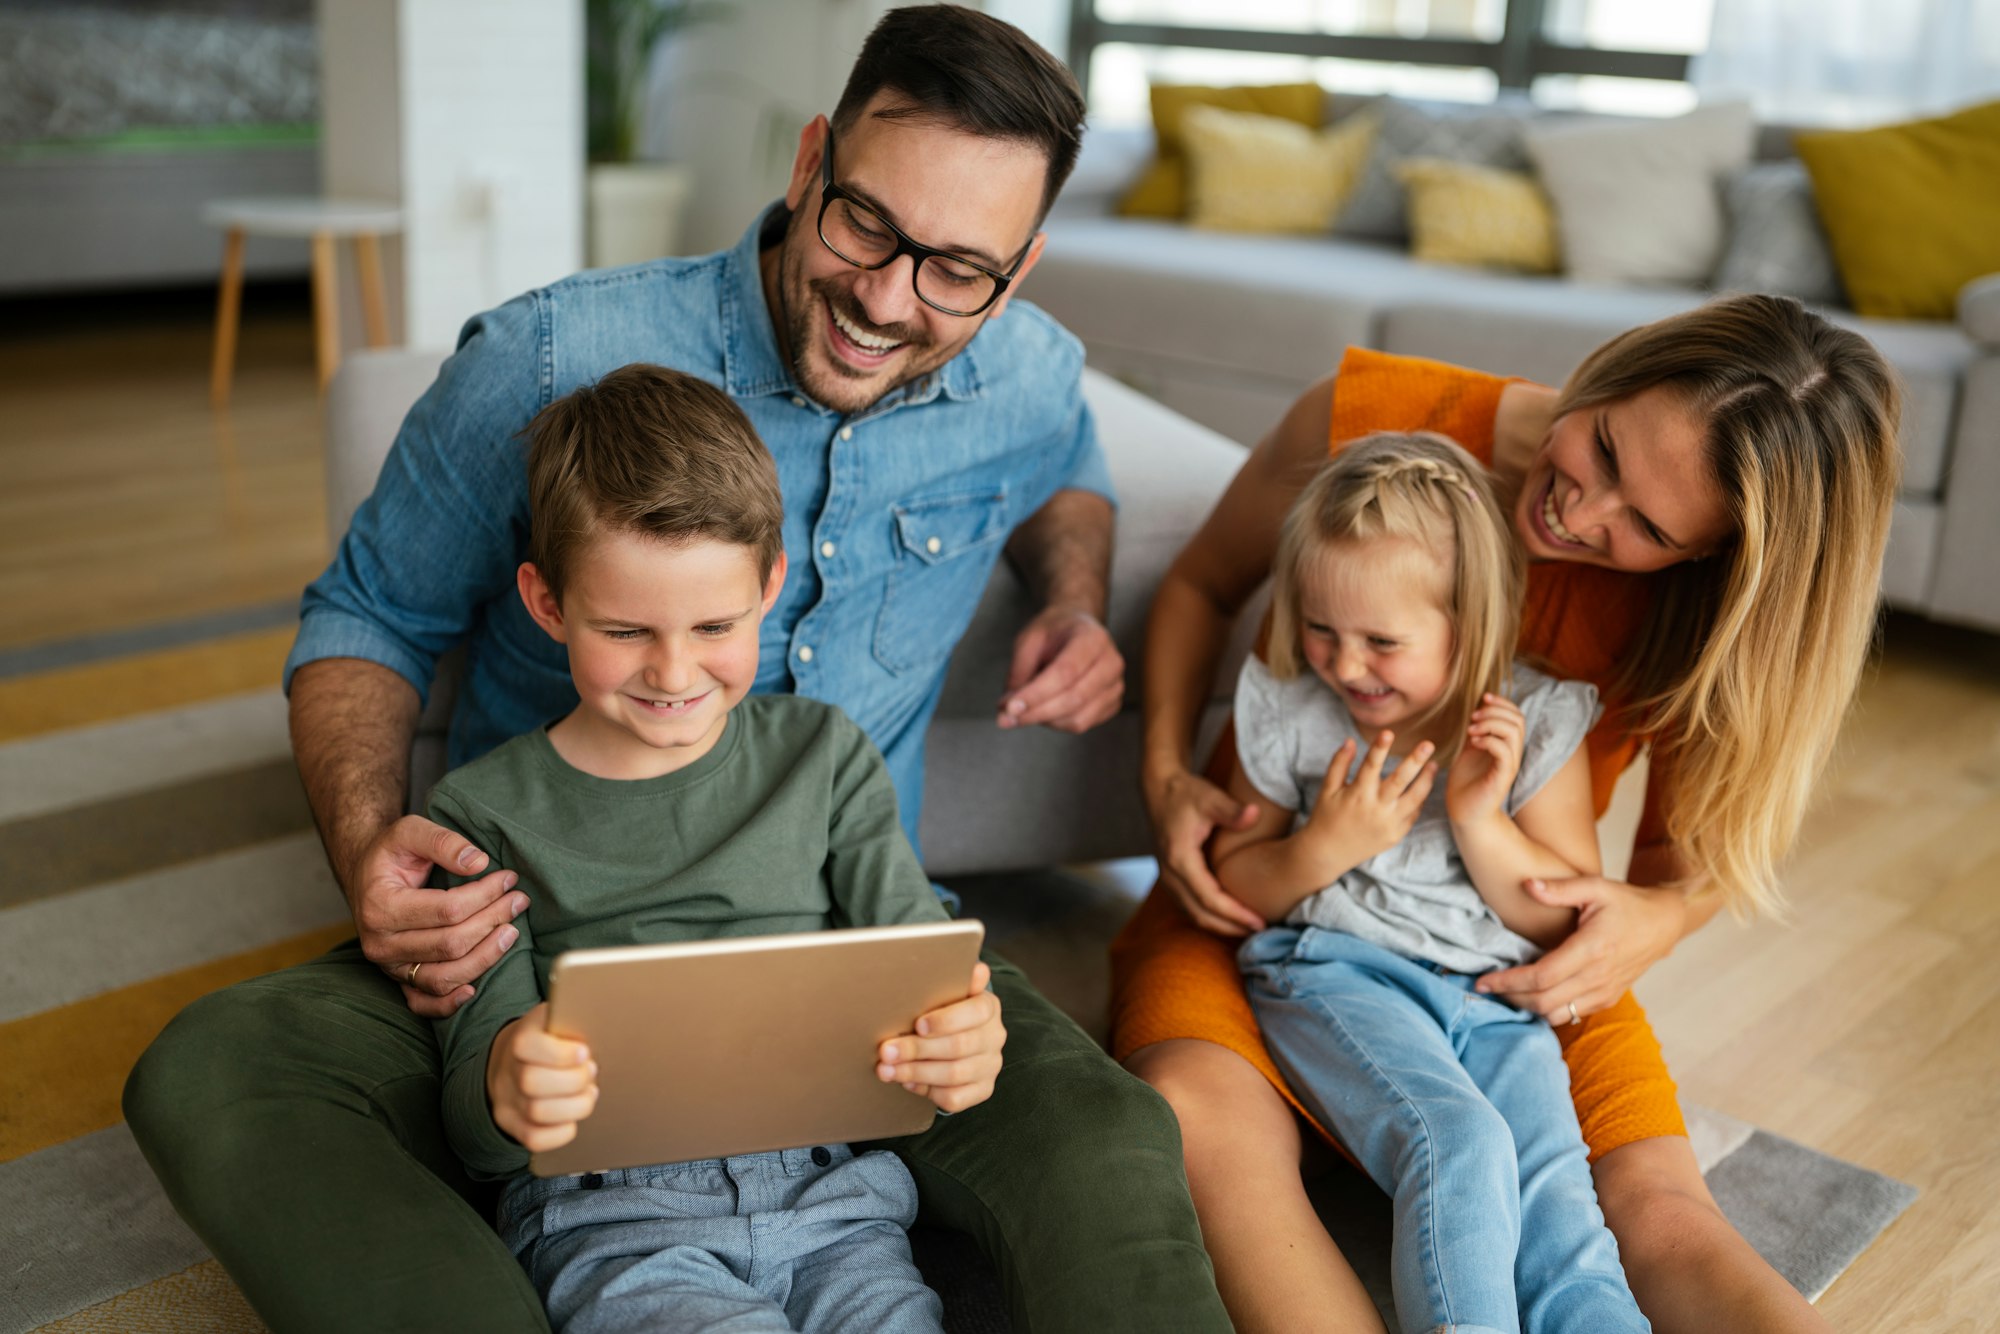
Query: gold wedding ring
411	981
1574	1017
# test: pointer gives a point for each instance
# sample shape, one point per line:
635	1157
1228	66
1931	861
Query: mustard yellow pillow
1466	213
1263	174
1162	191
1912	211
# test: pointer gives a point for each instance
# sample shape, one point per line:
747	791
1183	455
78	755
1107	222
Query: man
294	1118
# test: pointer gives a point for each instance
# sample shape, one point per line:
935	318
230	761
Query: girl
1393	625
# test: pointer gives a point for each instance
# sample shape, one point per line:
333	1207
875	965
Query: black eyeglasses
864	238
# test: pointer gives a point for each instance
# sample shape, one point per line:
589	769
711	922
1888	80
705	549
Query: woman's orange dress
1171	979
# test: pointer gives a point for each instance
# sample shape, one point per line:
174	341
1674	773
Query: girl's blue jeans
1458	1106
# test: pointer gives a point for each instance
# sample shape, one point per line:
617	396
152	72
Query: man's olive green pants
294	1122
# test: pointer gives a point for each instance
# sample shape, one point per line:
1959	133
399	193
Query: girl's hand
1372	813
1621	931
1485	770
1185	809
539	1085
954	1056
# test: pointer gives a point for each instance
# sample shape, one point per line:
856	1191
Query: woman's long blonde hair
1423	488
1747	667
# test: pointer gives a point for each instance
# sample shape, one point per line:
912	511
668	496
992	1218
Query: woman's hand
953	1058
1621	931
1185	809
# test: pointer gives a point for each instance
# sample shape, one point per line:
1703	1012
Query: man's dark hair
650	451
973	71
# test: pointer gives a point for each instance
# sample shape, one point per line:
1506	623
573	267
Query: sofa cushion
1913	210
1641	202
1251	173
1776	243
1161	192
1486	134
1463	213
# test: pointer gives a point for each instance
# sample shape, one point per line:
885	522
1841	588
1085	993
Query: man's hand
539	1085
954	1056
1066	673
446	938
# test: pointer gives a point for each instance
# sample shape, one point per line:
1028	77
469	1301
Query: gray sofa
1229	328
993	800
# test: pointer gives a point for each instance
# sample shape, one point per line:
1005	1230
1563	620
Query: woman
1704	506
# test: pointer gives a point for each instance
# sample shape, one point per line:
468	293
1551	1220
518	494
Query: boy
669	805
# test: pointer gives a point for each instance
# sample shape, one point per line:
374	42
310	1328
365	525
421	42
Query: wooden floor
1868	1027
127	500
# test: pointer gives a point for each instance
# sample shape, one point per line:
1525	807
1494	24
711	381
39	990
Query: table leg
326	307
228	309
374	310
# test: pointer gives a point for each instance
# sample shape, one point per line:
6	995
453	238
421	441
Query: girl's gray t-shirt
1416	898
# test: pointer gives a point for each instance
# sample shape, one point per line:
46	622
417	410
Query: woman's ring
411	981
1574	1017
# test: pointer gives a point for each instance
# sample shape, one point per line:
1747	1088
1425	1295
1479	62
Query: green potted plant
635	207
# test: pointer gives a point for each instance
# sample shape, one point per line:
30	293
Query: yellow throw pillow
1262	174
1466	213
1162	191
1912	211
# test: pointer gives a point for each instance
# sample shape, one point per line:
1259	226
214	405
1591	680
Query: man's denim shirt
893	517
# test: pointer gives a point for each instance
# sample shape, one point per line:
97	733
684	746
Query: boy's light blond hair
650	451
1422	488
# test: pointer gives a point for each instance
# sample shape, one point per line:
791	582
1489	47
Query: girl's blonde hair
1751	658
1423	488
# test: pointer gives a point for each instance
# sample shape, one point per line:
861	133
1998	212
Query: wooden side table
323	221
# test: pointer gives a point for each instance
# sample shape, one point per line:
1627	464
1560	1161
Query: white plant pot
635	211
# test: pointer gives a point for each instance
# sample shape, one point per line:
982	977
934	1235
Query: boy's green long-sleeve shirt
788	824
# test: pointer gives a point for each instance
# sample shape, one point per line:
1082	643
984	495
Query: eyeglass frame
829	192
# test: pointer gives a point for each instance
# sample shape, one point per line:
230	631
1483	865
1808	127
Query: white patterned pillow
1641	201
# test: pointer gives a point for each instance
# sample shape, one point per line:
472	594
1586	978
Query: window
1611	55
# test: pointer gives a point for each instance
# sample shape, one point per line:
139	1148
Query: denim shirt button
847	433
934	545
821	1157
805	653
591	1180
798	402
827	549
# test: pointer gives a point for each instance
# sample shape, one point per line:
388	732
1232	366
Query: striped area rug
155	845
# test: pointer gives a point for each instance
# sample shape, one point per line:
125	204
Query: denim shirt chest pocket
944	549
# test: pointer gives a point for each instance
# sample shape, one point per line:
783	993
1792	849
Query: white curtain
1852	62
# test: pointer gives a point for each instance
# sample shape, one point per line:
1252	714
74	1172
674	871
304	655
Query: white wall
731	95
470	114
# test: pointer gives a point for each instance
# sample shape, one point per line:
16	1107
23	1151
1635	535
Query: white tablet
722	1047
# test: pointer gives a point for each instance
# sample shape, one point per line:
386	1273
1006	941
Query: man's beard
832	382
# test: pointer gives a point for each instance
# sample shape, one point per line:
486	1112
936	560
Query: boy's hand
539	1085
1485	770
1372	813
954	1056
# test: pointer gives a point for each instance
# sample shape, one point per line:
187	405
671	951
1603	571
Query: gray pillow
1776	243
1489	135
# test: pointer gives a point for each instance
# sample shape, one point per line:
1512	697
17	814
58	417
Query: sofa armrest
1979	310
